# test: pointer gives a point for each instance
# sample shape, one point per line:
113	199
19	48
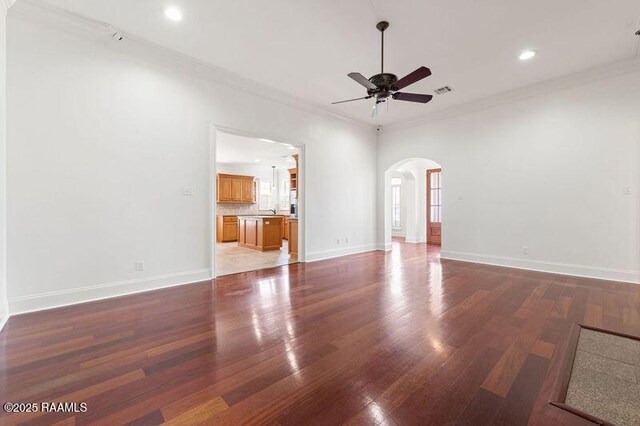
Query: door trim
428	207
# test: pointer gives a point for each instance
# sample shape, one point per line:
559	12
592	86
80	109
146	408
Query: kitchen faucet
274	211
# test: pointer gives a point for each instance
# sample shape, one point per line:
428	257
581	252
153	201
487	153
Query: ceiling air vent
443	90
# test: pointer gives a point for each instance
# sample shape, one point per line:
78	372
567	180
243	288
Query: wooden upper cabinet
293	179
248	191
293	175
235	189
224	188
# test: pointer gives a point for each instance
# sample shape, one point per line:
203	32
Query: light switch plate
188	190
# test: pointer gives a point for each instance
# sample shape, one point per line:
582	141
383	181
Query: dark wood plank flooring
398	338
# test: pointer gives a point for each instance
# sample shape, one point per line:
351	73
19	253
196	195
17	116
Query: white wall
101	144
547	173
4	307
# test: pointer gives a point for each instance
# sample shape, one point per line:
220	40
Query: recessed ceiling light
527	54
266	140
256	161
173	13
291	147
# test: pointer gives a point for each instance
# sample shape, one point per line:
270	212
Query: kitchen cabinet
226	228
285	228
293	175
293	179
293	236
224	188
248	190
235	189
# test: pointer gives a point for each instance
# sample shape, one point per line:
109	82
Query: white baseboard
55	299
330	254
3	321
384	247
545	266
4	315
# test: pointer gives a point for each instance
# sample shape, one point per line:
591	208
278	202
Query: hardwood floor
374	338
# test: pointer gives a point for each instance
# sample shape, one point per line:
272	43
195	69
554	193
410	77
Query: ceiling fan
384	85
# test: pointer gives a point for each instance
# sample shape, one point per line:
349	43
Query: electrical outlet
140	265
525	250
626	190
337	240
188	190
346	240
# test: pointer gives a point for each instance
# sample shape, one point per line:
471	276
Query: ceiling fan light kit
386	85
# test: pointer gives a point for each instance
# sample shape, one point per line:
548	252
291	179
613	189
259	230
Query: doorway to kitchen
256	202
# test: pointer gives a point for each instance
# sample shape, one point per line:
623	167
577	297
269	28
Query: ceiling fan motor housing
384	82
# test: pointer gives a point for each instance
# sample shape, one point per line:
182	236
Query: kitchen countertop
266	216
258	215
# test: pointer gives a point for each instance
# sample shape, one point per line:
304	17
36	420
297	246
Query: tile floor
231	259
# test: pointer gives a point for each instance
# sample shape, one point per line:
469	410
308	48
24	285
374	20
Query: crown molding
102	32
590	75
5	5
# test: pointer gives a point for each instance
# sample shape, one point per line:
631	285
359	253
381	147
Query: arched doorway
410	214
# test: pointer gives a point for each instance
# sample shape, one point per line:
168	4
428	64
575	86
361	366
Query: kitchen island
262	233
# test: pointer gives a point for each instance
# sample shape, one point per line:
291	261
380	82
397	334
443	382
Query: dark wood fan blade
350	100
412	97
411	78
361	79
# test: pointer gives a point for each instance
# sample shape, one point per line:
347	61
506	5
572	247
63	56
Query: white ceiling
306	48
234	149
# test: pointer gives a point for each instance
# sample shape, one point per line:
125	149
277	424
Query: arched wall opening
410	175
